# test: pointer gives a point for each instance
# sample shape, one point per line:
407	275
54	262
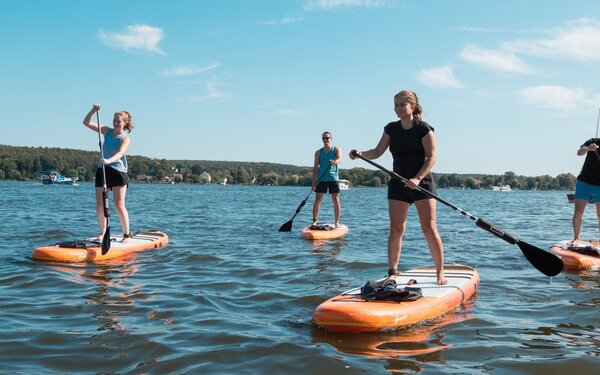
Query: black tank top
407	148
590	172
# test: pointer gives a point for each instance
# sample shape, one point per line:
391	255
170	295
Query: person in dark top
412	144
587	188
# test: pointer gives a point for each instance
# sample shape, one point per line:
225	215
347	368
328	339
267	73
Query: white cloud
579	40
497	60
143	37
288	112
335	4
283	21
211	92
440	77
188	70
269	104
561	99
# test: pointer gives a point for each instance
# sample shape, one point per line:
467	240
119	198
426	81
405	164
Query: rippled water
232	295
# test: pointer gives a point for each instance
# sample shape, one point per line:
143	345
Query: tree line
28	163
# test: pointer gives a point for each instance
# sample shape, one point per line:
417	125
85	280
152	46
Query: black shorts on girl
113	177
324	186
399	192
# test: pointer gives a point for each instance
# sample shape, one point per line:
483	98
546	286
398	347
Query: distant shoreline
27	163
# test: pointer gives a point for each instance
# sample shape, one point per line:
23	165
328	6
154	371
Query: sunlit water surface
231	294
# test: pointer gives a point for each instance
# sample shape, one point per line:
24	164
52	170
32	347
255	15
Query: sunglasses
326	138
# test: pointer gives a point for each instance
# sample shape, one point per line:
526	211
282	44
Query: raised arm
585	149
87	121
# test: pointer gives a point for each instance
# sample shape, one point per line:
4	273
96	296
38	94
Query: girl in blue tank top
114	148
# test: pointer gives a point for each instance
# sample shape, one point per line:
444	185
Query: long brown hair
129	123
414	100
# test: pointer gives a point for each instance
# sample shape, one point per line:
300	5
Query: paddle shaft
479	222
106	237
104	190
597	122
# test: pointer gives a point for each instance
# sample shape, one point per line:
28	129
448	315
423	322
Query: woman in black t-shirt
587	188
412	144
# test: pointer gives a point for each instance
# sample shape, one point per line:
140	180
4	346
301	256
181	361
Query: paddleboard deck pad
89	250
350	312
324	231
586	255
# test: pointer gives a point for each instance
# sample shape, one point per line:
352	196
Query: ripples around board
230	294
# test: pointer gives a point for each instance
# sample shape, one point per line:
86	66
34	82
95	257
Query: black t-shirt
407	148
590	172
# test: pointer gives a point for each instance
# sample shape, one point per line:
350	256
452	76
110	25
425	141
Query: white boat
55	178
344	184
501	188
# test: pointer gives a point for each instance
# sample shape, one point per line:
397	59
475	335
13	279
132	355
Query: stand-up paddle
288	226
106	237
547	263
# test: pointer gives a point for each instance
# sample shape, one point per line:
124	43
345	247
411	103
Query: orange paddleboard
578	260
324	234
90	251
348	312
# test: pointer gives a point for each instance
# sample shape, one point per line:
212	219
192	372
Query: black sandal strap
393	272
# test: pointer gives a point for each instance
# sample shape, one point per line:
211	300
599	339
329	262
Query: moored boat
55	178
344	184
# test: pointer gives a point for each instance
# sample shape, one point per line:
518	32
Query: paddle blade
547	263
106	241
287	227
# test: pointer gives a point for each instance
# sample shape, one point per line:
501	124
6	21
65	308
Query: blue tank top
324	162
110	147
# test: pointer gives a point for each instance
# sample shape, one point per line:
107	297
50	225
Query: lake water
231	294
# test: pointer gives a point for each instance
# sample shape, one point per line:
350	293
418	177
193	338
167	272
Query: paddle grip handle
105	201
496	231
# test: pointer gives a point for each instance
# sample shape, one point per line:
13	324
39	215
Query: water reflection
327	252
588	279
105	297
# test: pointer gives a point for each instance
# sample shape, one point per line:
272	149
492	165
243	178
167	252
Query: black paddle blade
106	241
547	263
287	227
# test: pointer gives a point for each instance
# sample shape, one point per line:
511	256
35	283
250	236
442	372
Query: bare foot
575	242
441	280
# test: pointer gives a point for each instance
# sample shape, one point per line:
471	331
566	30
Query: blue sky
508	85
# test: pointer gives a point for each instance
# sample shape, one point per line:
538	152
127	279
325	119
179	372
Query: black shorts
113	177
399	192
331	186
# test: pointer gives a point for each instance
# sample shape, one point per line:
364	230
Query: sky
508	85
